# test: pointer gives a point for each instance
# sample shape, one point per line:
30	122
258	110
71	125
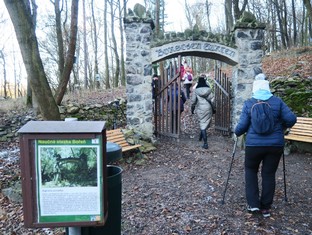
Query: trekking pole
227	181
284	171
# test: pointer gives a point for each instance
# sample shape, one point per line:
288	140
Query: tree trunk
238	12
95	38
280	23
24	25
70	53
85	46
59	36
122	42
285	28
208	7
294	22
5	94
107	84
188	15
228	15
308	6
115	48
157	17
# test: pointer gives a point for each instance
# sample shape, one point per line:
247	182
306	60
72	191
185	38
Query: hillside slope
287	63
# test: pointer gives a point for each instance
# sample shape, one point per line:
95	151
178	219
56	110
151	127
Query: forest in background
81	44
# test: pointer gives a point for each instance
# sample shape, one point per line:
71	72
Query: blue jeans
269	157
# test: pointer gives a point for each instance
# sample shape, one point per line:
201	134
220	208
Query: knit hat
202	82
260	83
260	76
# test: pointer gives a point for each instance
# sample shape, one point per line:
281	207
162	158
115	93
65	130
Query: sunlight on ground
12	104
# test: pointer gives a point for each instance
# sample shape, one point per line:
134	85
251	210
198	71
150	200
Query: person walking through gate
263	148
188	81
201	103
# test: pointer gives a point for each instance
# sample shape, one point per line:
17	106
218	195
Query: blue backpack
262	119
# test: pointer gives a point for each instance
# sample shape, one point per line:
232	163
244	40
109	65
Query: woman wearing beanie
201	103
263	149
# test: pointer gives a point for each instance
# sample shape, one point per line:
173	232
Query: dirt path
179	191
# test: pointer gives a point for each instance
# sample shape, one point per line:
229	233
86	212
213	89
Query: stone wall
138	69
12	121
249	42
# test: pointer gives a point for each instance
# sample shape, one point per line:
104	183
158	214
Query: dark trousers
269	157
188	89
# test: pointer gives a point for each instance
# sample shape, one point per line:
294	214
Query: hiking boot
204	136
253	210
205	146
266	213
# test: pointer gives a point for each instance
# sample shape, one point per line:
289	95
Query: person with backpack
264	118
188	81
202	104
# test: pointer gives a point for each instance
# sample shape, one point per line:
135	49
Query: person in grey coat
202	107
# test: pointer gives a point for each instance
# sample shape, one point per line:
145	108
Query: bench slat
299	138
301	131
116	136
131	147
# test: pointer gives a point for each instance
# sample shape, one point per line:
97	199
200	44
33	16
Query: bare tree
208	7
107	83
238	12
114	46
23	17
122	12
308	6
2	57
85	45
59	35
95	47
70	55
294	22
279	13
229	20
188	15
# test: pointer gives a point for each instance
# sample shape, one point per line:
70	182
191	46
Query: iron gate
167	113
222	102
167	108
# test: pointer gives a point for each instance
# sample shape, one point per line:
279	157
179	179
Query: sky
175	12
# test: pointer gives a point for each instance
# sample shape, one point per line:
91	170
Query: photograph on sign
69	186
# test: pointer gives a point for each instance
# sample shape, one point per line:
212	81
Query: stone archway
198	48
245	55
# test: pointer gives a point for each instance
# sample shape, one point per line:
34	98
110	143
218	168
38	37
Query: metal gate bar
223	103
167	116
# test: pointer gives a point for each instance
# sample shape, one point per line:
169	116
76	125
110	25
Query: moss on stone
296	92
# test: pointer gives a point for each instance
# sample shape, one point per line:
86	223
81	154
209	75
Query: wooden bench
116	136
301	131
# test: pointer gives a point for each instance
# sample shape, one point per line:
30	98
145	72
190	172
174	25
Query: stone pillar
249	42
138	74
